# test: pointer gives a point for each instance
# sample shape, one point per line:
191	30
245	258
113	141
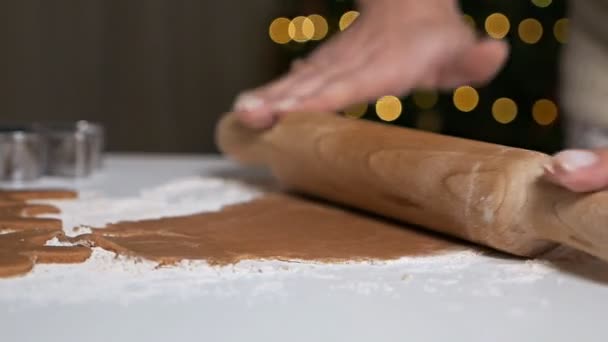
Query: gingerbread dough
276	226
23	238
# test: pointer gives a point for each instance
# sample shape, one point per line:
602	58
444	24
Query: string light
497	25
542	3
465	98
469	20
504	110
429	121
544	112
388	108
561	30
425	99
530	31
356	111
301	29
320	26
278	30
347	19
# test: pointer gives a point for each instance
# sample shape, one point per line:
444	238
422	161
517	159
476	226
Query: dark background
158	73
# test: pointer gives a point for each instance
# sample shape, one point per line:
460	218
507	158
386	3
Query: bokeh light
465	98
561	30
347	19
279	30
504	110
356	110
497	25
320	26
530	31
425	99
544	112
388	108
469	20
542	3
429	121
301	29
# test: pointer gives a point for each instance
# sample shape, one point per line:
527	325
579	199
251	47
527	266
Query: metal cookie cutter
73	149
22	154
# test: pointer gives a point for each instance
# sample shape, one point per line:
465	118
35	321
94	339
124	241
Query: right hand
392	48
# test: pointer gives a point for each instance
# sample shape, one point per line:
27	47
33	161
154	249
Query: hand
580	170
393	47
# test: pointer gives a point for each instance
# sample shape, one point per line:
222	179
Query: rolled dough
23	238
275	226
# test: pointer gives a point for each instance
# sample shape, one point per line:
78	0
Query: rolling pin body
481	192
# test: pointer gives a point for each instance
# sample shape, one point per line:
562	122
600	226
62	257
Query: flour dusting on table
107	277
181	197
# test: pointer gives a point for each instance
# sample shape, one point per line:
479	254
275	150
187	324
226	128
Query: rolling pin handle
242	143
584	223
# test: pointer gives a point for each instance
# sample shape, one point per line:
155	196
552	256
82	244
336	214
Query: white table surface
362	303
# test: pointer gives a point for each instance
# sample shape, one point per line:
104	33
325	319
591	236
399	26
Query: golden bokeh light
301	29
389	108
320	26
347	19
465	98
504	110
561	30
425	99
356	111
542	3
544	112
530	30
279	30
469	20
429	121
497	25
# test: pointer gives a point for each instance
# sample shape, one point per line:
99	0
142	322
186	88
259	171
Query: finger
580	170
326	54
259	109
383	73
253	100
376	75
256	120
352	86
297	65
324	78
340	52
477	66
254	109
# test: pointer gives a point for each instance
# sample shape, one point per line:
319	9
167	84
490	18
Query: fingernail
286	105
572	160
248	103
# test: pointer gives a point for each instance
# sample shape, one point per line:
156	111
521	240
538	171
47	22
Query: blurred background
159	73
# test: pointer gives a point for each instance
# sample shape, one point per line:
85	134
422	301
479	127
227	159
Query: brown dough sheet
22	239
275	226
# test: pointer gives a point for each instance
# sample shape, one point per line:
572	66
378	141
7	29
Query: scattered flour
181	197
108	277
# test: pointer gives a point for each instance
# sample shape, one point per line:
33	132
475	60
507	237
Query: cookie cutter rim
22	154
74	148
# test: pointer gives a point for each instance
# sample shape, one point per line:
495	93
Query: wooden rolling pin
489	194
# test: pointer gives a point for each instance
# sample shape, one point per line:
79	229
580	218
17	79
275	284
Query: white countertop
449	298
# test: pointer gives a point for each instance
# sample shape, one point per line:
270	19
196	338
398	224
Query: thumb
580	170
477	66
